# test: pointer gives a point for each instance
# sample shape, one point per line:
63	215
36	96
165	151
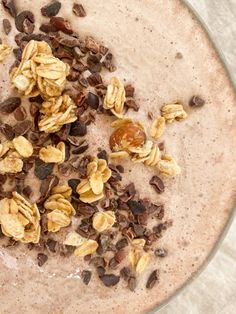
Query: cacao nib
10	6
125	273
47	28
132	283
22	128
42	259
158	184
103	155
20	114
110	280
7	131
73	183
196	102
86	276
51	9
122	243
92	100
51	245
42	169
129	91
136	207
6	26
94	79
61	24
9	105
78	129
153	279
78	10
25	22
160	252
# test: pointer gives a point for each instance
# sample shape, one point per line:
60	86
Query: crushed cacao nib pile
60	73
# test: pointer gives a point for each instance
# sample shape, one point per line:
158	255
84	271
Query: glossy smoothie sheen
145	38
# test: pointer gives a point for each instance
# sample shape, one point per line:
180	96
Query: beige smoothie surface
146	39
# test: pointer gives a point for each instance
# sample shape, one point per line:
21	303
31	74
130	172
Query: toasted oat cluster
59	76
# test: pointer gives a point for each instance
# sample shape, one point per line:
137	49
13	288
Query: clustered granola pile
60	75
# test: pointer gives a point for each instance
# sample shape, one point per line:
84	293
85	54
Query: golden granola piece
61	208
20	219
91	188
168	166
153	157
173	112
55	112
4	148
143	262
5	50
11	165
138	243
51	154
115	97
134	256
40	72
158	127
23	146
119	155
74	239
87	248
103	221
64	190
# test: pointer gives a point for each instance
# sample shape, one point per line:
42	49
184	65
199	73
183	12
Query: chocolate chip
103	155
153	279
42	259
7	131
129	91
22	128
51	245
131	104
132	283
6	26
51	9
86	276
125	273
158	184
42	170
110	280
196	102
47	28
25	22
78	128
9	5
121	244
94	79
73	183
136	207
92	100
160	252
61	24
20	114
9	105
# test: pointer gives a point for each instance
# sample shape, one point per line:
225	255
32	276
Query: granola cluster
39	71
20	219
5	50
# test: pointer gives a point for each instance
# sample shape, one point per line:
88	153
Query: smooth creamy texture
145	37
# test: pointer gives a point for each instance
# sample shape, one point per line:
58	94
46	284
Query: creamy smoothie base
162	51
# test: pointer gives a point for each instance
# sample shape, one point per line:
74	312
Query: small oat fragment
74	239
51	9
23	146
42	259
168	166
158	127
196	102
158	184
87	248
11	165
79	10
86	276
5	50
143	262
172	112
103	221
110	280
153	279
6	26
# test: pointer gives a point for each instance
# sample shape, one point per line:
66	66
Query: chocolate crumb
61	24
51	245
42	169
25	22
86	276
100	271
42	259
129	91
136	207
73	183
51	9
161	146
125	273
20	114
7	131
131	104
98	261
196	102
179	55
160	252
121	244
113	263
158	184
103	155
94	79
153	279
78	128
78	10
110	280
6	26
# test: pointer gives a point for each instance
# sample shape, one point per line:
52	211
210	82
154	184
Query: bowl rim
232	215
